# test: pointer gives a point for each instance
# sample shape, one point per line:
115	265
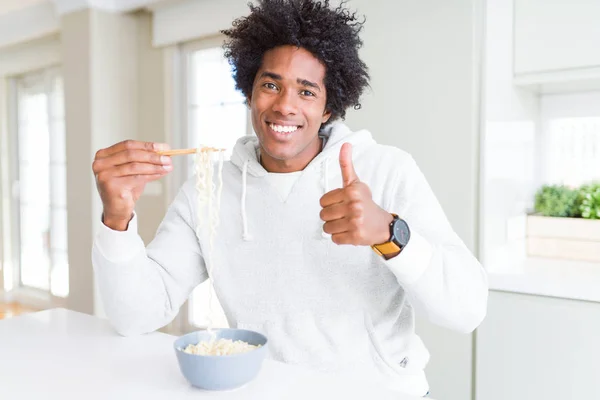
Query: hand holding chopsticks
122	172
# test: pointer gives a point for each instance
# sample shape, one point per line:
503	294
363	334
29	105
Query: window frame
34	297
17	60
185	50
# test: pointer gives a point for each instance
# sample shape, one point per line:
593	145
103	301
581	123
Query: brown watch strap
387	250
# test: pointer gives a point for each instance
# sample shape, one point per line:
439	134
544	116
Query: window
216	115
37	245
572	151
559	144
569	138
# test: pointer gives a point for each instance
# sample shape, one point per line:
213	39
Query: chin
279	154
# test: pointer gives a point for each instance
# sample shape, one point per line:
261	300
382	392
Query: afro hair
330	34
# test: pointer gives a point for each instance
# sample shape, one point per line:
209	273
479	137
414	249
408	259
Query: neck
296	164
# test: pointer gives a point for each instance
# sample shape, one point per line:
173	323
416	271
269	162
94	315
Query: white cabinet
553	35
557	45
533	347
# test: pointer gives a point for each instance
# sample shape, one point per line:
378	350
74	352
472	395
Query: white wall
7	6
191	19
76	68
508	146
532	347
30	56
25	24
423	59
572	105
151	105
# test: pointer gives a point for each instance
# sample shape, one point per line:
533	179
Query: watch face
401	232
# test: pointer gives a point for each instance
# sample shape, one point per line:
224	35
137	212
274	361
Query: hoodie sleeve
444	282
142	288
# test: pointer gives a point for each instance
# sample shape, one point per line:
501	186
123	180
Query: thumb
348	174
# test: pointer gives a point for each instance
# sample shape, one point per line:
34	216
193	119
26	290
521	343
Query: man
294	198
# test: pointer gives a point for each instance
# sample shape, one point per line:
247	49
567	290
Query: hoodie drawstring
325	190
245	234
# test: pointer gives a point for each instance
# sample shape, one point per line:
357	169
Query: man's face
288	107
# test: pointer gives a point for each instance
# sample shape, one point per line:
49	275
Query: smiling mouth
283	128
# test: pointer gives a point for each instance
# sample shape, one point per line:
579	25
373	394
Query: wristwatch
399	237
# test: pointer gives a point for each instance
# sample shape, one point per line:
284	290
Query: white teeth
283	128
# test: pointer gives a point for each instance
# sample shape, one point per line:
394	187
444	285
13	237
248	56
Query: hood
246	151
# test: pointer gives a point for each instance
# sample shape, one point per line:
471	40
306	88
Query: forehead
292	62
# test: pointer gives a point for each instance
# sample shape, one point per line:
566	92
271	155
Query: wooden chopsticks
179	152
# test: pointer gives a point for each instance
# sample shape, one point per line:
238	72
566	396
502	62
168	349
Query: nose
285	104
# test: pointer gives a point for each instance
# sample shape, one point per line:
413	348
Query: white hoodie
322	305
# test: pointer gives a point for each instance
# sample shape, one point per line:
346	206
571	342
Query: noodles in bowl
221	347
231	360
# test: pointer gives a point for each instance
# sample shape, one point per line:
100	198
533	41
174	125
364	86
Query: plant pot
566	238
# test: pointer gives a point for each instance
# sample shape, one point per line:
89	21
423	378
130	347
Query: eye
307	93
270	85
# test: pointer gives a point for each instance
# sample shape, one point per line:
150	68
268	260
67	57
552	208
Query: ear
326	116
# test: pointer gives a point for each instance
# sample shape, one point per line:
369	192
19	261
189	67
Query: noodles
209	198
221	347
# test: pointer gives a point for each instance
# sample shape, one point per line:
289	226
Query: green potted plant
589	206
566	223
557	201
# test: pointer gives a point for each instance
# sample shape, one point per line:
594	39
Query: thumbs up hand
350	214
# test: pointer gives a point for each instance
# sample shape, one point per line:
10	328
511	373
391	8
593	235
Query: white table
61	354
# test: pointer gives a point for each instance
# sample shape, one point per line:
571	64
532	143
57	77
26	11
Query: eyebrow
303	82
308	83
